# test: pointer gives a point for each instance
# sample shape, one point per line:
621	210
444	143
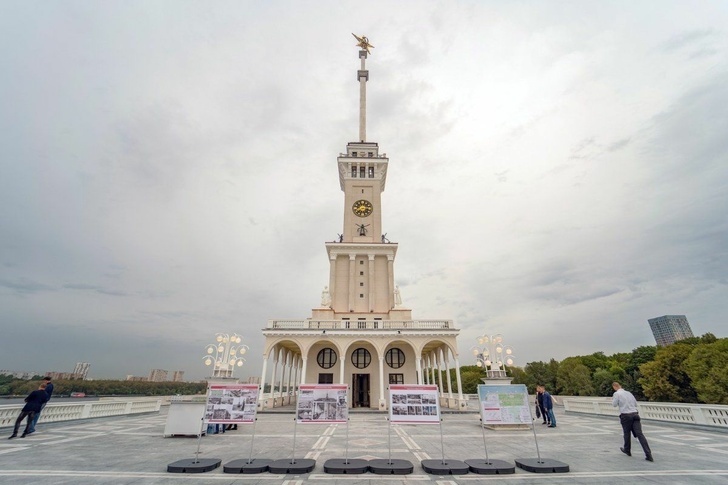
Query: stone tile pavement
131	450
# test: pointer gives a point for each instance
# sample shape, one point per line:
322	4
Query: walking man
542	409
630	420
49	391
32	405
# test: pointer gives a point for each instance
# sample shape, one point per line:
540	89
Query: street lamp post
493	356
225	354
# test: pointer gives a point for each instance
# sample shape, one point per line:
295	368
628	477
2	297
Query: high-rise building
361	334
158	375
668	329
178	376
81	370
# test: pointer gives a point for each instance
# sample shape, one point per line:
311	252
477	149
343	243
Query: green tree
665	379
574	378
707	367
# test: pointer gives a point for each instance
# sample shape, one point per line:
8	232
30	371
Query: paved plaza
131	450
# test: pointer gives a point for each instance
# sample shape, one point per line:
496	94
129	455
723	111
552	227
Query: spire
363	77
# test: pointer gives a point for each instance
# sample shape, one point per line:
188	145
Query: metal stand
258	465
346	466
488	466
389	466
195	465
442	467
292	465
540	465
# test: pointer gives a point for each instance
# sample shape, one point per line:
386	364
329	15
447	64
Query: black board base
292	465
383	466
351	466
449	467
194	465
256	465
544	465
490	467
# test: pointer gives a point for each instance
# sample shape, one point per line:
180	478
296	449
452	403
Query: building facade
668	329
158	375
81	370
361	334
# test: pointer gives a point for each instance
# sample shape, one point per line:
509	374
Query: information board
413	403
231	403
504	404
322	403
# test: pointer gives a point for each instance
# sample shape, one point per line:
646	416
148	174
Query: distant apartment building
60	375
81	370
18	374
136	378
158	375
178	376
668	329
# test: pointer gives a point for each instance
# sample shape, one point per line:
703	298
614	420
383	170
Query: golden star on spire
363	42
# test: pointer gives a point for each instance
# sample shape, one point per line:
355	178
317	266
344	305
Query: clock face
362	208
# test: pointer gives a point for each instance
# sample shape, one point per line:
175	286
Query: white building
361	334
81	370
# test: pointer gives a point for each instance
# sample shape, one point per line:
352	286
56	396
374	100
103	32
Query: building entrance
360	391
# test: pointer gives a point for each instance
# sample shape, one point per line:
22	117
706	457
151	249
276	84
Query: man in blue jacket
33	404
49	391
548	403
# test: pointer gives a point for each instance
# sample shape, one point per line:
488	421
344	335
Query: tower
360	334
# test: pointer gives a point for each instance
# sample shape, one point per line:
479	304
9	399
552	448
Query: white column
426	372
460	384
371	283
362	100
342	375
432	366
303	370
262	377
418	369
291	360
390	279
352	281
296	364
447	368
381	382
284	365
276	356
332	279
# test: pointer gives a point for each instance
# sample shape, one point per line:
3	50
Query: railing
68	412
715	415
359	324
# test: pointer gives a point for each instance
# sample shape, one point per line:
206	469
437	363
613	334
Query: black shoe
12	436
552	425
649	458
628	453
23	435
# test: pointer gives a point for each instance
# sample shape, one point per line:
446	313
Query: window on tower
371	154
371	172
353	154
361	172
353	172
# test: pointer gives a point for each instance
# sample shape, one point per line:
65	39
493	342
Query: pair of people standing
545	403
34	404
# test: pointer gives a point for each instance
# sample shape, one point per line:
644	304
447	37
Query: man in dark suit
33	404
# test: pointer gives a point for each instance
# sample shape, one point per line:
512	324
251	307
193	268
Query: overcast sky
558	171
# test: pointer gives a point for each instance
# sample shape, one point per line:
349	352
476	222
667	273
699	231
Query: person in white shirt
630	420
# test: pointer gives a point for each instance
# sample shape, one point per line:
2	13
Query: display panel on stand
231	403
322	403
411	403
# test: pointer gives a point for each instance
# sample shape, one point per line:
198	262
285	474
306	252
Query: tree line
11	386
694	370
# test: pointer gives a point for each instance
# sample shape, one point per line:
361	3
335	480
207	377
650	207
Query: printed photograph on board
322	403
410	403
234	403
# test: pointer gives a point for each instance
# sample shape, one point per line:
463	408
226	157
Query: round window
361	358
326	358
394	358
